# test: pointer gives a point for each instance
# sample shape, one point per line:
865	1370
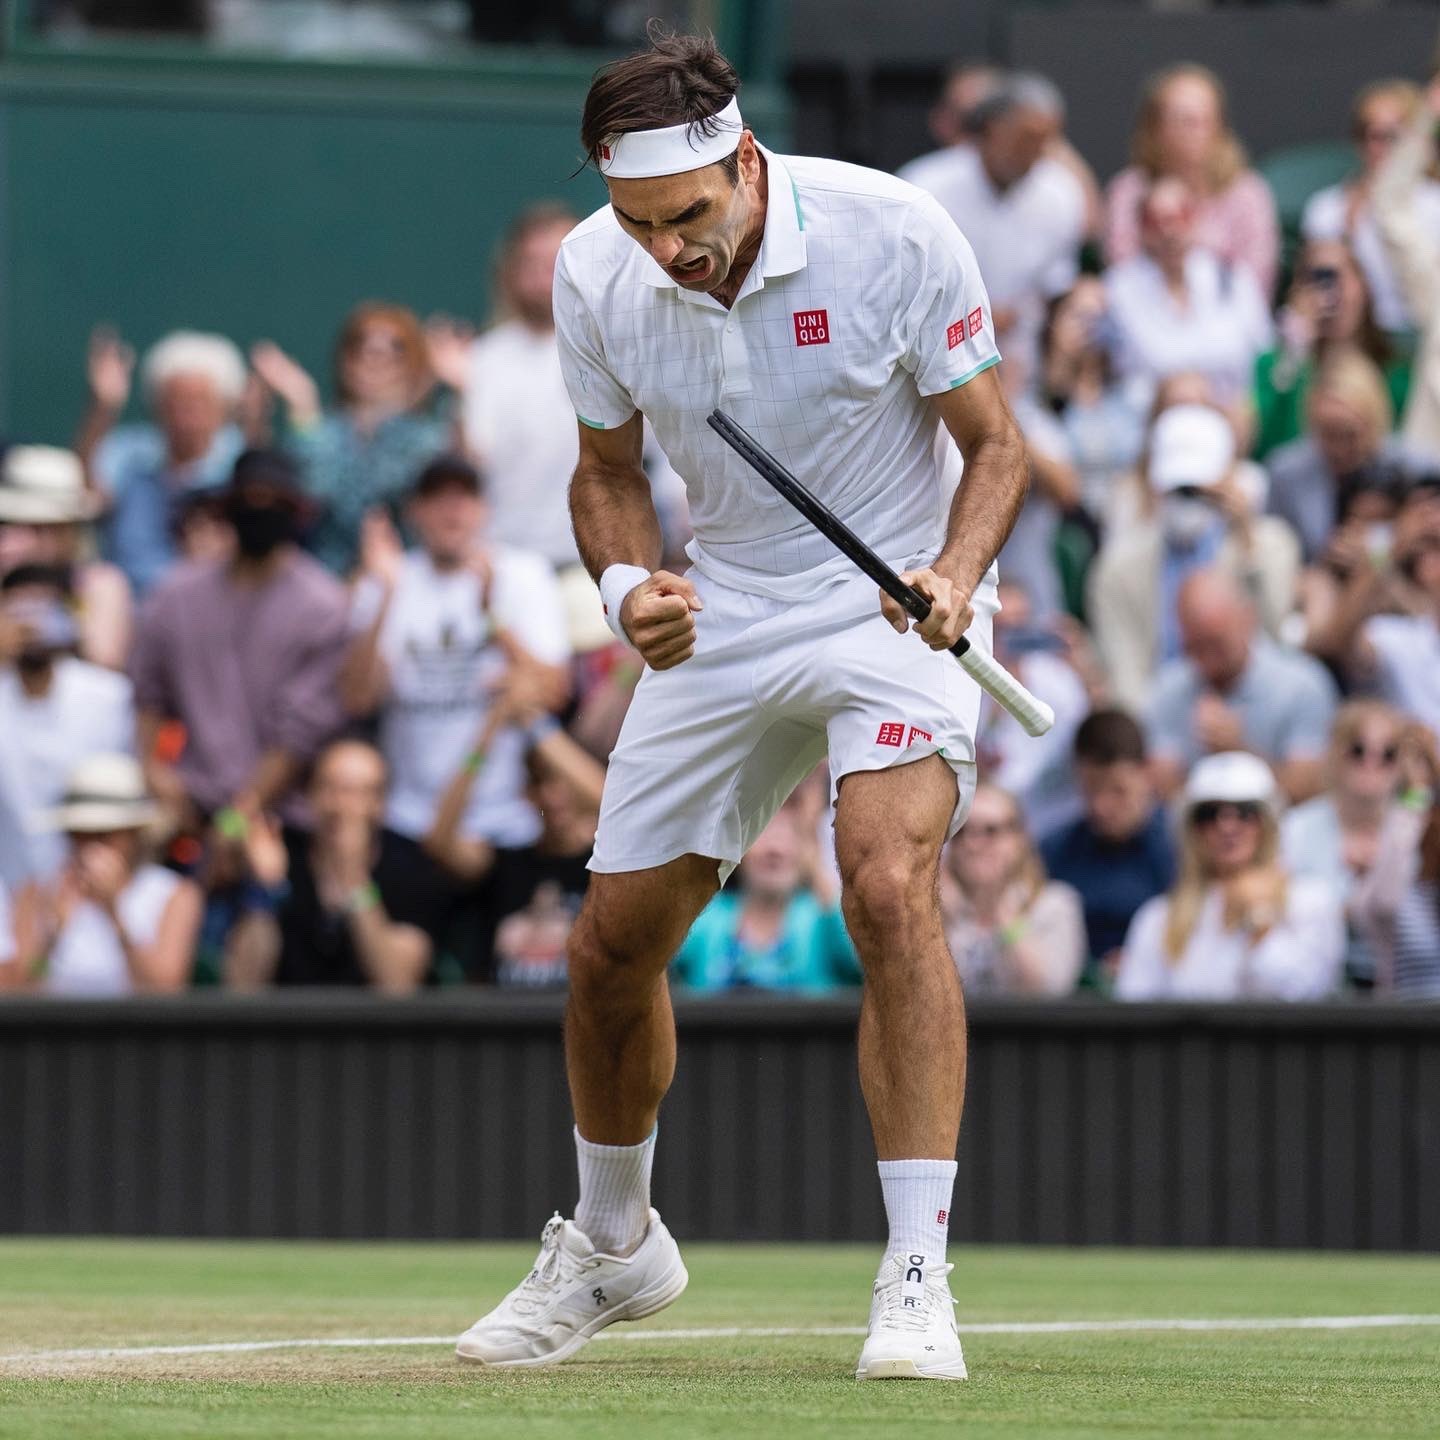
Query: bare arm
613	513
982	514
393	955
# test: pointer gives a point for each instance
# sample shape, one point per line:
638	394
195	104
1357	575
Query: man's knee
888	897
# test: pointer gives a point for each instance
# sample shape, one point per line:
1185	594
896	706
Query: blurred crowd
301	682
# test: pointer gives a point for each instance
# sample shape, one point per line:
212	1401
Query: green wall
260	200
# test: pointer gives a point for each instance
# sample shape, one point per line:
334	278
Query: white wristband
615	584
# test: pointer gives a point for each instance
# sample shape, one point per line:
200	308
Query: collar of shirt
782	248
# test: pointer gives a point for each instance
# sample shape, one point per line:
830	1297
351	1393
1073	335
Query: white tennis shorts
711	748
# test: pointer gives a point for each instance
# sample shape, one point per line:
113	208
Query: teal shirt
813	952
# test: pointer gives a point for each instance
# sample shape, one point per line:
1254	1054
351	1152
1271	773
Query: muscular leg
619	1031
889	828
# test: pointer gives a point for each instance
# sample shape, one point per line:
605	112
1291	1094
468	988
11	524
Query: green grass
1297	1384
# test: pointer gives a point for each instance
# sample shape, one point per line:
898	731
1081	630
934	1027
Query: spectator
246	654
1237	690
1380	115
9	971
364	451
1400	654
1176	306
1118	854
1200	518
1103	424
342	905
778	928
55	709
1183	134
442	633
1022	210
951	119
1035	770
1011	930
193	385
109	923
1338	837
1411	244
1327	315
44	507
1236	925
1349	417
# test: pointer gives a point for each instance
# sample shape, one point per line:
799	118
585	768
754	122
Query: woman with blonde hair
366	450
1235	925
1183	132
1010	928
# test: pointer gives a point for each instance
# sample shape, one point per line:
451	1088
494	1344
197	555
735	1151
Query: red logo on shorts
812	327
942	1217
916	733
975	321
892	732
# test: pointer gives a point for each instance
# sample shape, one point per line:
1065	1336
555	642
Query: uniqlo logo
942	1217
975	321
916	733
892	732
605	152
812	327
955	335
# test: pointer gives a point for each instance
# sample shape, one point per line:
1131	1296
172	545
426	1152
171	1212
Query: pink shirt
1239	224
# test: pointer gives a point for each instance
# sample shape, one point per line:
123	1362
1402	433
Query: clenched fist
950	613
659	617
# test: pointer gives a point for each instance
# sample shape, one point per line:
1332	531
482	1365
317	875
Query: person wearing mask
194	385
44	513
365	450
55	709
1236	925
1117	854
342	905
1012	930
1372	806
1022	210
1201	517
778	928
1183	133
1234	689
110	922
1328	314
245	652
1176	306
1380	115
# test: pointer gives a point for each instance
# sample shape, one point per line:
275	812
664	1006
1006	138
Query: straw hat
44	485
104	793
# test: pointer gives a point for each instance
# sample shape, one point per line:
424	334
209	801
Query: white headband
643	154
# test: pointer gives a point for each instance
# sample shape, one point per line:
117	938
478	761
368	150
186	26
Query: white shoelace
552	1265
934	1297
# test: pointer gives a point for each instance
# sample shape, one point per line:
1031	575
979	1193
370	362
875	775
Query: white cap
103	792
43	485
1190	445
1233	777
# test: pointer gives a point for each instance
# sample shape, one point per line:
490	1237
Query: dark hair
680	79
445	471
51	577
1106	737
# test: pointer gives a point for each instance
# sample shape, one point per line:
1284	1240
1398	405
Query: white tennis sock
614	1205
917	1205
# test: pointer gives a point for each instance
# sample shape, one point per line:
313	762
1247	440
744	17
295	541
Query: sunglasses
991	830
1207	812
1385	754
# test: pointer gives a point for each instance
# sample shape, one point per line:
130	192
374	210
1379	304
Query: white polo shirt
865	298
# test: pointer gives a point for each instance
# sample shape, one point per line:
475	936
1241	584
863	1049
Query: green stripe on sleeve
964	379
600	424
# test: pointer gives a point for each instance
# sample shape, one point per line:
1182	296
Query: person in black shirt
1119	852
347	903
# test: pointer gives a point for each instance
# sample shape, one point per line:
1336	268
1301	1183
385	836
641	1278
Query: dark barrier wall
324	1115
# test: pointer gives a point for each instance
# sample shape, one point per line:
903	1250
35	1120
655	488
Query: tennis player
838	315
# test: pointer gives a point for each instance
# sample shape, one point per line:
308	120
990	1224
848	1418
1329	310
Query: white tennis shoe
912	1324
573	1292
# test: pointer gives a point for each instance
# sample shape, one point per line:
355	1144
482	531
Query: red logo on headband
605	152
812	327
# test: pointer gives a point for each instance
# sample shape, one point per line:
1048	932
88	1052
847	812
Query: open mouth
696	270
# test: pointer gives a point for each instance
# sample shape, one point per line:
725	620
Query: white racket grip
1035	716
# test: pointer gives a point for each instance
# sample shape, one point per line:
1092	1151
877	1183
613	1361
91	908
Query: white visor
643	154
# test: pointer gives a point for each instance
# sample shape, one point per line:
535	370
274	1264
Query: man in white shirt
838	314
1022	211
55	711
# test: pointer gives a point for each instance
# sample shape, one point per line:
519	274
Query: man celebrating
838	314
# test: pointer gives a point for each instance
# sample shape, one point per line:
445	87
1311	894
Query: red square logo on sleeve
975	321
812	327
891	733
955	335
